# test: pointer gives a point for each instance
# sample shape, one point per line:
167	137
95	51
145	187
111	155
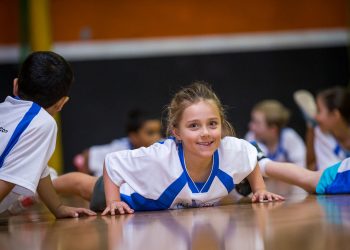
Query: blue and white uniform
335	179
327	150
98	153
27	141
291	147
156	177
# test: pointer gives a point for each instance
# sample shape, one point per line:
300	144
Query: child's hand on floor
265	196
117	206
74	212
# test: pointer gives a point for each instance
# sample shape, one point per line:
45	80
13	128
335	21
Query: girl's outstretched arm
260	194
113	201
293	174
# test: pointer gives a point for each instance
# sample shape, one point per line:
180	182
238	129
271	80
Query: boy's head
44	78
143	128
268	118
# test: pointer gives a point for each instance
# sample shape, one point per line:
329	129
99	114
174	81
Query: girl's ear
336	113
176	134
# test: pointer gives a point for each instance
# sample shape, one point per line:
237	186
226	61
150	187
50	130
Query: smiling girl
198	165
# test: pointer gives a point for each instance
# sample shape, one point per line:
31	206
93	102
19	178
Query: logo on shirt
2	130
181	205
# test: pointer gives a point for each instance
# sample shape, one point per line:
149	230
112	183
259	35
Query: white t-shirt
327	150
98	153
291	147
156	178
27	141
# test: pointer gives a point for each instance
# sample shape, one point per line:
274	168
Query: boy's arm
49	196
112	193
260	194
5	188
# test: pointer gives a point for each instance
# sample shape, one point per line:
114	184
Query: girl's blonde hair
197	91
275	113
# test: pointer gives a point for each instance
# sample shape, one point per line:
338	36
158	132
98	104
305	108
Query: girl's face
325	118
199	129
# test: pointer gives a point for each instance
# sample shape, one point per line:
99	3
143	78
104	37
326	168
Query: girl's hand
265	196
74	212
119	206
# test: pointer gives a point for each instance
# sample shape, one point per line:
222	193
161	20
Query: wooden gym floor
301	222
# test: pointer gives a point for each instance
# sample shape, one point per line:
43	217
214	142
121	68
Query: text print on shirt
3	130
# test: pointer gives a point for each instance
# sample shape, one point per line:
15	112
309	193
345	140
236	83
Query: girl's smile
199	129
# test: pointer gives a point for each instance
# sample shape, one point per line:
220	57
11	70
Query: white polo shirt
27	141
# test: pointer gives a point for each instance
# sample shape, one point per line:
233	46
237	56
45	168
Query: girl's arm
310	151
260	194
113	201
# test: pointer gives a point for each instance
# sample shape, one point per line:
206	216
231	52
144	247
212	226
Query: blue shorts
335	179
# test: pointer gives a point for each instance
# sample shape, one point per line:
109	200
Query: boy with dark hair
28	134
142	129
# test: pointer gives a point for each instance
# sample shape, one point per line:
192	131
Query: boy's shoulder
14	111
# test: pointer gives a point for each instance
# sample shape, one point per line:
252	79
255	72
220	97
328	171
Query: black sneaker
243	188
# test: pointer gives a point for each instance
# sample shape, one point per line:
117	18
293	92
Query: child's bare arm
113	200
310	151
257	184
5	188
49	196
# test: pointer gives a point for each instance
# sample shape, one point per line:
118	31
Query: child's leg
293	174
75	183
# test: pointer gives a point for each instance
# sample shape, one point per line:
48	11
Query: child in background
143	129
268	129
196	168
334	179
328	126
28	132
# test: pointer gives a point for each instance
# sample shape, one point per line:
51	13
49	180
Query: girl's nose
205	131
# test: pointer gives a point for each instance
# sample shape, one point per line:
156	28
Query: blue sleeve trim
21	127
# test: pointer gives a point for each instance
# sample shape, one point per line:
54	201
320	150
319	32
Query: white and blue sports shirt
335	179
327	150
290	148
27	141
98	153
155	178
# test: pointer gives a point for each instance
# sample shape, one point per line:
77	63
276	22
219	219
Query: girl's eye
213	123
193	125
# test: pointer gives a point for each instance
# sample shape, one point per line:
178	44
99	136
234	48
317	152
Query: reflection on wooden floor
301	222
